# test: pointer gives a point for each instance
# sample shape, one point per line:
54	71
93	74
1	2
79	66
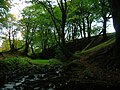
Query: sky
111	27
18	6
16	10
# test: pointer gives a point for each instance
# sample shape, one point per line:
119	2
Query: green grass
40	61
100	46
45	62
96	48
26	61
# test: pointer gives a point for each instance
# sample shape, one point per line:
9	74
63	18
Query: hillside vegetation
91	66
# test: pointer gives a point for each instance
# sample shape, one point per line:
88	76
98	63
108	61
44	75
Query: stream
53	78
40	80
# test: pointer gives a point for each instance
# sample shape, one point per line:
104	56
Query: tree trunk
27	46
9	35
88	27
115	8
60	29
64	16
33	53
74	31
104	27
26	49
83	21
81	31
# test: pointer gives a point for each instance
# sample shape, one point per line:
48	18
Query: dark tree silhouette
115	8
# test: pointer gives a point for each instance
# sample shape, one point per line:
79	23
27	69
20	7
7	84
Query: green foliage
16	61
21	62
37	33
45	23
4	8
5	45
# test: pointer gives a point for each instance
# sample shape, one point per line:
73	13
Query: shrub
59	54
16	62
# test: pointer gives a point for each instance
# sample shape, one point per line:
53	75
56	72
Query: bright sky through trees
20	4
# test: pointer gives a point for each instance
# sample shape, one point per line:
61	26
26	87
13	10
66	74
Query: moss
96	48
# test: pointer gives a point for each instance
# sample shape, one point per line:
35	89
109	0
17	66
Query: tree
86	12
10	31
115	8
36	28
29	25
105	14
59	23
4	9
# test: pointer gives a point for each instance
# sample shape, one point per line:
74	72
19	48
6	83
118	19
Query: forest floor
93	69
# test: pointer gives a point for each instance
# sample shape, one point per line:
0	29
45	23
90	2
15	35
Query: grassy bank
45	62
19	66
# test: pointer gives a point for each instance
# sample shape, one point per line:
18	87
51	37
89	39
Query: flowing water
39	81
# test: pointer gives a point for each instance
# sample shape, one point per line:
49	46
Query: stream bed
41	79
53	78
